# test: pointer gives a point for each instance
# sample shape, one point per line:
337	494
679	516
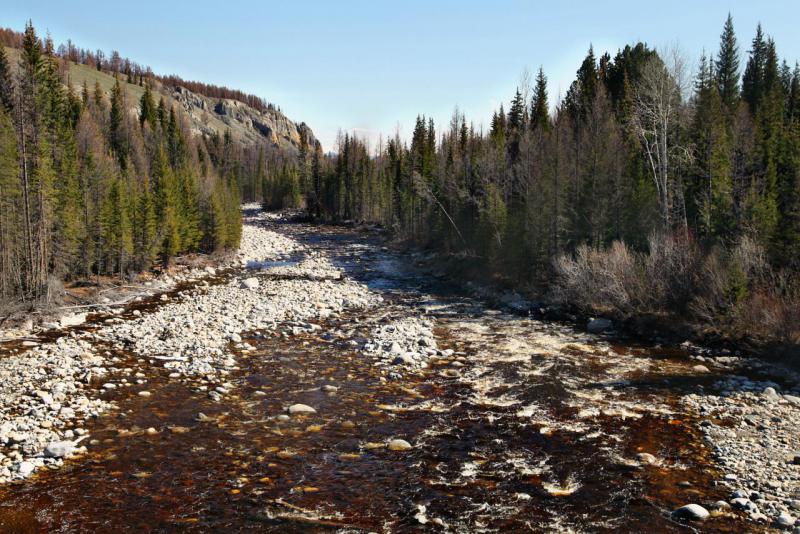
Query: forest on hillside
645	191
88	188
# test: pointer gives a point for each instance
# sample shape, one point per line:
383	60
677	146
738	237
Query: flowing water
534	426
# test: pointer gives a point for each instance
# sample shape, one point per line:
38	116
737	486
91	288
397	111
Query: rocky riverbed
316	381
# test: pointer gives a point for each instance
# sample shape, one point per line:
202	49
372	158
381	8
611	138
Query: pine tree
727	67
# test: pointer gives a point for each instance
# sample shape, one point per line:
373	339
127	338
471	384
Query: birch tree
656	121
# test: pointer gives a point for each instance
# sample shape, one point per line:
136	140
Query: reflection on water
529	426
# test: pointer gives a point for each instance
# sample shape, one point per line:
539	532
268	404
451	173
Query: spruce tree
727	67
540	113
147	108
118	125
753	78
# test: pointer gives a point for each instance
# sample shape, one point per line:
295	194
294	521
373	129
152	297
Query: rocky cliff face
250	126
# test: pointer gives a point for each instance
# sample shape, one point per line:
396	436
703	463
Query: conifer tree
727	67
540	113
753	78
6	82
147	108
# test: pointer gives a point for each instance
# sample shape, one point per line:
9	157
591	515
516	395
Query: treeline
89	188
644	190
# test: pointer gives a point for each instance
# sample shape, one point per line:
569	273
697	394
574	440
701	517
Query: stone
250	283
693	512
25	468
785	520
646	458
72	320
771	394
399	445
792	399
700	369
329	388
598	324
301	409
144	393
59	449
720	505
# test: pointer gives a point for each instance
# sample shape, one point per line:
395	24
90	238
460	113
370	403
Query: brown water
534	427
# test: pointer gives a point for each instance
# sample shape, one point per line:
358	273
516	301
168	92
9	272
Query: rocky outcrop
210	116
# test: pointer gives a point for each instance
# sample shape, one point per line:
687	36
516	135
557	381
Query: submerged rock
297	409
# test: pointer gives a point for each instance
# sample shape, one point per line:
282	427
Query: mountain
207	115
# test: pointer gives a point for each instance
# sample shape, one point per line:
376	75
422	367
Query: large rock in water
400	445
598	324
694	512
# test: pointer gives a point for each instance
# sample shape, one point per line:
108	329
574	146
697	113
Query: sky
371	66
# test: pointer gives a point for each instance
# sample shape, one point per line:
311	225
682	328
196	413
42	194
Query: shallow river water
535	426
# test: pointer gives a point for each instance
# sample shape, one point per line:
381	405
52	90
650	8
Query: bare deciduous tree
656	121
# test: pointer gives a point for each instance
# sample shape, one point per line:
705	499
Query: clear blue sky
372	65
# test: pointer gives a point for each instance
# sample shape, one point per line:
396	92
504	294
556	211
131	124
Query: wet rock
693	512
399	445
598	324
646	458
700	369
301	409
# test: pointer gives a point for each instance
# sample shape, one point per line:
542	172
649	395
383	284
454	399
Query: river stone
59	449
646	458
793	399
771	394
72	320
25	468
785	520
700	369
598	324
695	512
296	409
250	283
400	445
